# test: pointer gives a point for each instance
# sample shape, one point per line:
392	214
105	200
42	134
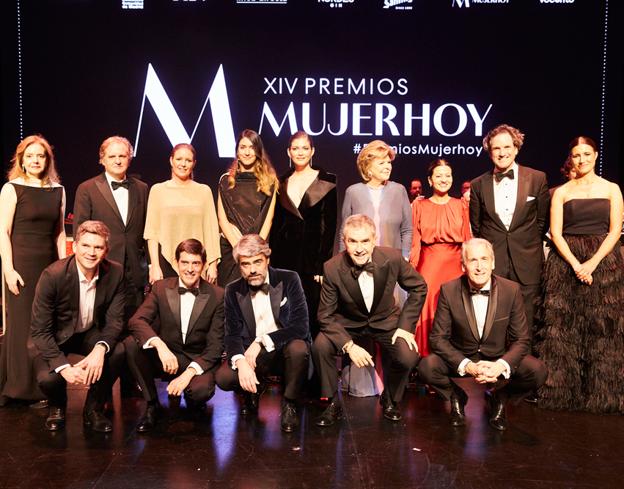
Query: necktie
357	270
479	292
123	183
184	290
261	288
508	174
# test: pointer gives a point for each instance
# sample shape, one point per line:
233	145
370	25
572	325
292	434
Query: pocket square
530	198
284	301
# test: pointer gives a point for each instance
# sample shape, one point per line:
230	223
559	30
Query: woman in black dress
304	225
32	235
246	200
581	325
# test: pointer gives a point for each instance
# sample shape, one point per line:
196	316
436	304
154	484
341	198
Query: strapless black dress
580	334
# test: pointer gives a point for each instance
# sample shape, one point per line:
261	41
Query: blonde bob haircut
374	150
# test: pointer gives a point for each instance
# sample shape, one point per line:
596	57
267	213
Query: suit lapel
198	306
491	311
351	284
468	307
74	288
133	201
488	198
106	191
316	191
244	302
275	295
173	299
521	198
380	277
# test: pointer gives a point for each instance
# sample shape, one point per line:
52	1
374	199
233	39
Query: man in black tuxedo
509	207
179	331
78	308
480	330
120	202
266	330
357	301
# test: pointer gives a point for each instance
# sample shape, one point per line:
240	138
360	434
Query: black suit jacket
159	315
455	336
342	305
56	307
288	303
94	201
302	238
523	241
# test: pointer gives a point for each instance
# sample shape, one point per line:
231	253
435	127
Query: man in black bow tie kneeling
266	330
357	301
177	334
480	330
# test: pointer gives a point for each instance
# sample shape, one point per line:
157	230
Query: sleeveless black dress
33	242
580	336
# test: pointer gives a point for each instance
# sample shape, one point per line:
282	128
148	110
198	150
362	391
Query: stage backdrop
430	77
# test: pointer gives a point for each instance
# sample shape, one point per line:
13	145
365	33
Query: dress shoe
459	399
290	419
149	418
56	419
250	403
332	412
531	398
97	421
390	409
39	404
498	418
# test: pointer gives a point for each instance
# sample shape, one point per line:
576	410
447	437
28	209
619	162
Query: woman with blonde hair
246	200
32	235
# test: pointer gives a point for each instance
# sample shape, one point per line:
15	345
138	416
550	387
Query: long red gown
439	231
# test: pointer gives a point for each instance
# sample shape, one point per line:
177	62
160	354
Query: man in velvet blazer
266	330
357	300
78	308
480	330
104	198
509	207
179	335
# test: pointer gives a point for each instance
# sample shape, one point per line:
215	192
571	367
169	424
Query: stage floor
542	449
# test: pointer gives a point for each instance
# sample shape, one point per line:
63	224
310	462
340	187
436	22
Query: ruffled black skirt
580	333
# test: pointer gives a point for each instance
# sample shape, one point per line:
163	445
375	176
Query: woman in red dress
441	225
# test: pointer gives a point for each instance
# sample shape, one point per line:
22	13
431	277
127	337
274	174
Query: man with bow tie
480	330
177	334
266	330
357	301
509	207
120	202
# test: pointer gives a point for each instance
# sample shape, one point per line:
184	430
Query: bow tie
356	270
480	292
124	183
260	288
184	290
508	174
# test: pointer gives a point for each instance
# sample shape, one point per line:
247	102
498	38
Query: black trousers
291	362
397	361
54	385
530	375
145	366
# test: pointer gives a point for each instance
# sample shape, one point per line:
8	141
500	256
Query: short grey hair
251	245
475	242
358	221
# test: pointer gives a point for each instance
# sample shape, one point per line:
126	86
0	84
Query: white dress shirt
505	196
121	198
367	287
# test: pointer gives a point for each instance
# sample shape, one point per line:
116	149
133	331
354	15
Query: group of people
446	287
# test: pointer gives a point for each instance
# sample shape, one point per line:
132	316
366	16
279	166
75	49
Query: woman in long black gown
32	207
304	225
581	325
246	200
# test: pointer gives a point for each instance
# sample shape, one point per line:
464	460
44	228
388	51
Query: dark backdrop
76	71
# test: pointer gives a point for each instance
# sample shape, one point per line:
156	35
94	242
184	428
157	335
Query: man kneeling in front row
266	330
177	335
480	329
357	301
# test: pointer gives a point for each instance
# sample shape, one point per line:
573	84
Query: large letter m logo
461	3
171	123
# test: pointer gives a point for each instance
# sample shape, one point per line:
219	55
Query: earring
289	162
310	162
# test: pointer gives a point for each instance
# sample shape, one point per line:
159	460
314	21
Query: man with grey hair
357	301
266	330
480	330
